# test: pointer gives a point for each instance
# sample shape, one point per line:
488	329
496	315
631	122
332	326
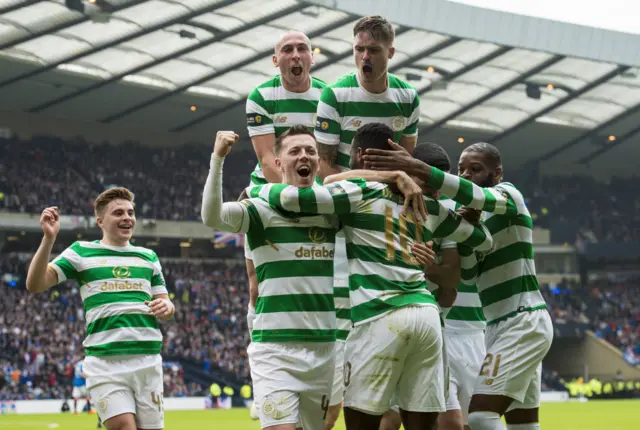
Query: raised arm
40	276
452	226
230	216
263	135
327	132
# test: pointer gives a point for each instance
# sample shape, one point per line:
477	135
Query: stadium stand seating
168	184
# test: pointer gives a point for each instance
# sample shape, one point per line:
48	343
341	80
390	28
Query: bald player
289	98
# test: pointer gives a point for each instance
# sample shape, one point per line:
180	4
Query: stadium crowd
210	325
168	183
46	171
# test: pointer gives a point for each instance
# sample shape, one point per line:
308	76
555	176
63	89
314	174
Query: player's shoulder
144	253
273	82
509	190
348	80
318	83
258	92
402	91
396	82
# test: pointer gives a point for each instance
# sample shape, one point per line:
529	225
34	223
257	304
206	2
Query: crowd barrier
172	404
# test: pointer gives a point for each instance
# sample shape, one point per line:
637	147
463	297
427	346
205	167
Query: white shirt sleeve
231	216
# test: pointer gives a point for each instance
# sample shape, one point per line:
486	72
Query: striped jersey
341	287
383	274
273	109
345	106
293	258
115	281
466	313
507	281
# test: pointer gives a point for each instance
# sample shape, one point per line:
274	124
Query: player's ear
275	60
392	52
278	164
498	175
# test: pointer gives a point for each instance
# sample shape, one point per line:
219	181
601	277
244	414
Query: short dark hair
374	135
433	154
378	27
295	130
490	152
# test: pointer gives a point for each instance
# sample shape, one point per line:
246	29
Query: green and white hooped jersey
341	287
293	258
507	281
466	314
383	274
272	109
115	281
345	106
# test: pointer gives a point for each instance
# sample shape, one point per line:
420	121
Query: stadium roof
187	65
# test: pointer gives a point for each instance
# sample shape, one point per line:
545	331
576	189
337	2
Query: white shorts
124	384
466	352
337	393
397	358
292	382
80	392
513	364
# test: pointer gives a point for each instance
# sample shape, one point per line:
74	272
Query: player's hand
50	222
161	308
424	253
413	197
224	142
471	215
397	159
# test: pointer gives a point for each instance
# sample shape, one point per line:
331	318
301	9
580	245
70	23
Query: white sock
530	426
485	421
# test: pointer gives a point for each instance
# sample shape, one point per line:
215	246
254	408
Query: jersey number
324	404
489	360
389	236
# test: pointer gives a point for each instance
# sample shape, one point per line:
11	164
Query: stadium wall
575	357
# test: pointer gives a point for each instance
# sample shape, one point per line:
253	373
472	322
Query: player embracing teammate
508	299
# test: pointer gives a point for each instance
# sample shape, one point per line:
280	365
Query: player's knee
450	420
485	421
390	421
332	416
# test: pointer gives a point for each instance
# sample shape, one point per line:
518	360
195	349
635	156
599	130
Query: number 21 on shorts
490	367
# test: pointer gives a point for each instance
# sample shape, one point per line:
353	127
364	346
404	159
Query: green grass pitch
593	415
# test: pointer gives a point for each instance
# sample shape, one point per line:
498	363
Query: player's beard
488	182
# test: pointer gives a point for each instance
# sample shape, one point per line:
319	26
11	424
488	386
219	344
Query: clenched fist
224	142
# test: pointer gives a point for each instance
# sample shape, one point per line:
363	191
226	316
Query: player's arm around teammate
463	191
